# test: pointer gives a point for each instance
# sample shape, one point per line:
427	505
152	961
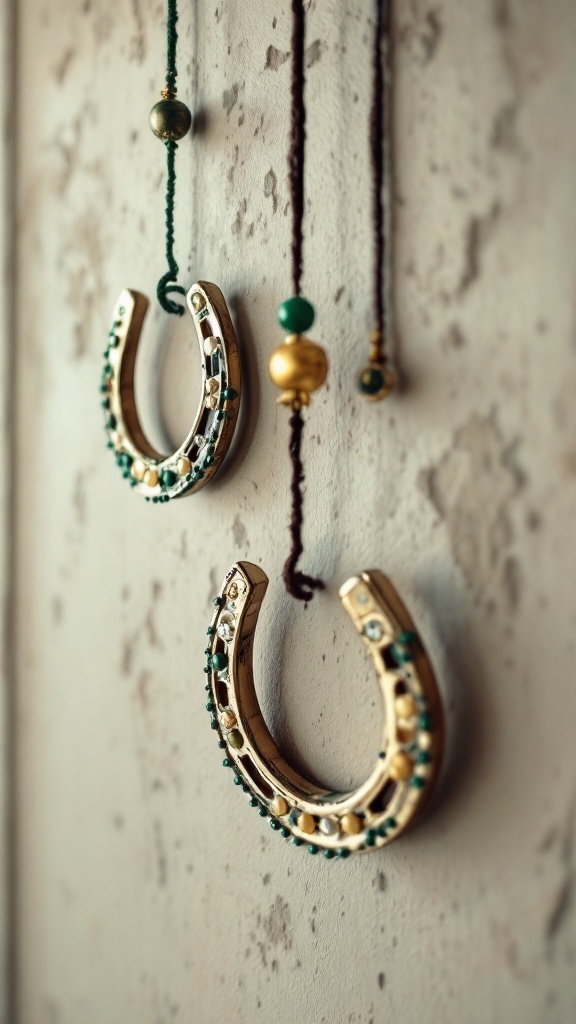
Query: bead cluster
298	366
160	479
336	834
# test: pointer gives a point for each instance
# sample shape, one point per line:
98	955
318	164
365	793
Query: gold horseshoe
403	777
192	466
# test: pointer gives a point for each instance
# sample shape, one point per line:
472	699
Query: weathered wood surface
147	890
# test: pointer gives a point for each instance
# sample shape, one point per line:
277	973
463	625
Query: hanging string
377	128
298	584
167	285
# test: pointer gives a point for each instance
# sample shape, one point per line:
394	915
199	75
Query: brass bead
138	469
184	465
228	720
401	767
151	477
405	706
170	120
279	807
306	823
298	367
351	824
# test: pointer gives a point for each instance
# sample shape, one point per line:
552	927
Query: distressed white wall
147	890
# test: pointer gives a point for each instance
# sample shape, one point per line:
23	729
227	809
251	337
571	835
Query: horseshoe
408	763
162	477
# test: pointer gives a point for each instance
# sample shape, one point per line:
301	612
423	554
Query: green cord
171	40
167	283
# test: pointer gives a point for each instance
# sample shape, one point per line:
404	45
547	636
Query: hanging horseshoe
162	477
403	777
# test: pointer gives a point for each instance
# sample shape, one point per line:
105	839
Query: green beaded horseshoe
402	780
162	477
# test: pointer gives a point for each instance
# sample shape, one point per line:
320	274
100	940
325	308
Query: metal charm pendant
403	777
158	477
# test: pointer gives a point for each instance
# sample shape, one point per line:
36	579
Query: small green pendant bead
371	381
296	315
236	739
170	120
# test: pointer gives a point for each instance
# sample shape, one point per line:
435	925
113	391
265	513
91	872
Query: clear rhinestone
225	628
362	598
199	441
328	826
223	676
374	630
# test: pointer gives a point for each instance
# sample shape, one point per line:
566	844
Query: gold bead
405	706
298	367
151	477
184	465
210	344
279	807
170	119
306	823
138	469
211	386
198	302
211	402
228	719
351	824
405	732
233	591
401	767
425	740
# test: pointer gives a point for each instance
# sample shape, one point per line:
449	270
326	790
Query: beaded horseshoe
159	477
402	780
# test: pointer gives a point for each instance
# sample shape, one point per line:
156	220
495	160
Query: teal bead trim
371	381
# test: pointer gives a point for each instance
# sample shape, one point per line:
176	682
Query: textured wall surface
147	890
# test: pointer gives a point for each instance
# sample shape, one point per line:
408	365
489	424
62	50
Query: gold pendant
161	477
407	766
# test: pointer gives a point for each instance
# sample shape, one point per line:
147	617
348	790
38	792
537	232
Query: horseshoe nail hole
221	693
388	658
259	782
400	687
380	803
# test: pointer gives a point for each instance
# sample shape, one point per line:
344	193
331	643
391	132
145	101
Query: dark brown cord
297	140
377	114
298	584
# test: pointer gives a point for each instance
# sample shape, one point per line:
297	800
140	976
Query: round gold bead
425	740
279	806
306	823
138	469
151	477
405	706
184	465
170	120
299	365
198	302
211	402
351	824
211	386
401	767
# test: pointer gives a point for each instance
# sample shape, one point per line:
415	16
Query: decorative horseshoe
409	760
160	477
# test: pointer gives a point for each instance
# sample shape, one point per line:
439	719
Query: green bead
343	853
170	120
425	723
253	801
423	757
262	812
390	823
230	393
218	661
297	841
210	631
217	601
275	825
329	854
237	780
210	706
296	315
417	782
371	380
235	739
222	744
168	478
213	724
312	848
227	763
285	832
370	838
